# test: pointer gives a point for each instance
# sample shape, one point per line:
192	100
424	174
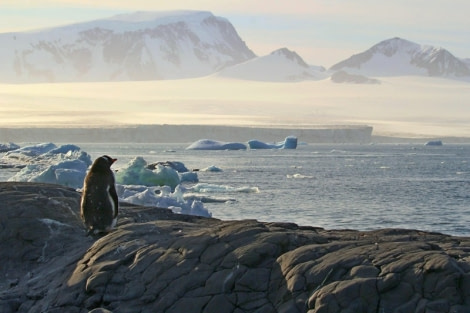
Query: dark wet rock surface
158	261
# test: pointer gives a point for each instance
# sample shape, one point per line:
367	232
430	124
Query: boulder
159	261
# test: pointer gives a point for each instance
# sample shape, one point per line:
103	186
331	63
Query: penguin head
103	163
109	159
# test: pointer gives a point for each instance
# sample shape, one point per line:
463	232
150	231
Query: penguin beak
113	160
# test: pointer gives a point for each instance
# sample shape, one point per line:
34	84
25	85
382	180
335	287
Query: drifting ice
289	143
208	144
5	147
161	197
211	168
65	165
137	173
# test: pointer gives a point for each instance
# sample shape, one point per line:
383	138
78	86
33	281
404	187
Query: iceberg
289	143
161	196
31	151
137	173
153	185
183	172
208	144
65	165
190	177
64	149
176	165
211	168
5	147
67	173
434	143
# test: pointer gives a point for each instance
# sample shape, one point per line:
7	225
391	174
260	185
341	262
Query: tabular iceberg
436	143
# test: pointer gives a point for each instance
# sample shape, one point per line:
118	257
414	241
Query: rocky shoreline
159	261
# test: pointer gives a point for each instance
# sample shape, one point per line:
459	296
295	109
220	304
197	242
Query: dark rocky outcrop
344	77
129	47
158	261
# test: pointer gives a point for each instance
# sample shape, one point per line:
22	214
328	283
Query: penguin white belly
111	201
113	207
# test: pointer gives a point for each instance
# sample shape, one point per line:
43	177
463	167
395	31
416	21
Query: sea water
361	187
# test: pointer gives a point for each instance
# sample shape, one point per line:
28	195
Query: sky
322	32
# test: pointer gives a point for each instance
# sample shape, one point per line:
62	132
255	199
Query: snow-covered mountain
186	44
396	56
282	65
137	46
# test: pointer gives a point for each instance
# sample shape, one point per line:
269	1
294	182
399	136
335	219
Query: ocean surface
360	187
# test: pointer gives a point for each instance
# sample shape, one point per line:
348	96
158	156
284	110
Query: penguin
99	202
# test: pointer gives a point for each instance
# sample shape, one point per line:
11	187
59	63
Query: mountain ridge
187	44
281	65
397	56
101	50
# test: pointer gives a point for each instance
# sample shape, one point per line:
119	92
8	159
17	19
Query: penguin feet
97	232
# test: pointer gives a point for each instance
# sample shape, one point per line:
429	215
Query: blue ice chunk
208	144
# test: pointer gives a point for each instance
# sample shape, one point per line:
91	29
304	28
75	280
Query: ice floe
162	197
209	144
8	146
156	184
136	172
289	143
163	184
65	165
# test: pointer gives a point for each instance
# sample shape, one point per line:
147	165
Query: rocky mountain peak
290	55
137	46
398	56
391	46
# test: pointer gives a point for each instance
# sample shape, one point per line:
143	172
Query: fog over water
399	106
